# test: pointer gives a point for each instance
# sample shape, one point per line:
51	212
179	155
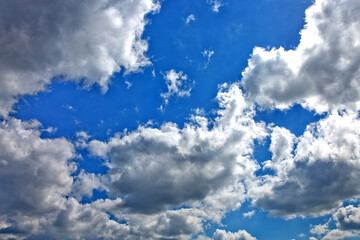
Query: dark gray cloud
80	41
322	73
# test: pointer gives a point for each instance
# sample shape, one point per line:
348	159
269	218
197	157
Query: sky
207	119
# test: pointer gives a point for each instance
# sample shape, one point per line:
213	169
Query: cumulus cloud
215	4
348	218
155	169
35	175
78	41
337	234
347	222
321	174
239	235
178	85
322	73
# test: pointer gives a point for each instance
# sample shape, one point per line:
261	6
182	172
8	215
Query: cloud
239	235
77	41
177	84
190	18
215	4
249	214
157	169
348	218
337	234
320	229
207	54
321	174
35	175
347	222
322	73
82	221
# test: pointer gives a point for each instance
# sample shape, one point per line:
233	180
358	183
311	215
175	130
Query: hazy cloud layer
322	73
80	41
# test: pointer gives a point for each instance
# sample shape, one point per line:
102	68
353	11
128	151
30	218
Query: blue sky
206	119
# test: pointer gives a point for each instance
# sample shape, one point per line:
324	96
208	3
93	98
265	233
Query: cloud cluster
157	169
317	175
168	182
347	220
81	42
322	73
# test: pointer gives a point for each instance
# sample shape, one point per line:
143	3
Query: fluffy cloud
177	84
239	235
322	73
78	221
200	166
80	41
321	174
347	221
348	218
35	175
337	234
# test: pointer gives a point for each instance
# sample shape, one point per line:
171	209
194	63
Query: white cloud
35	176
154	170
322	73
190	18
348	218
207	54
337	234
177	84
239	235
82	221
322	173
347	221
215	4
79	41
249	214
320	229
